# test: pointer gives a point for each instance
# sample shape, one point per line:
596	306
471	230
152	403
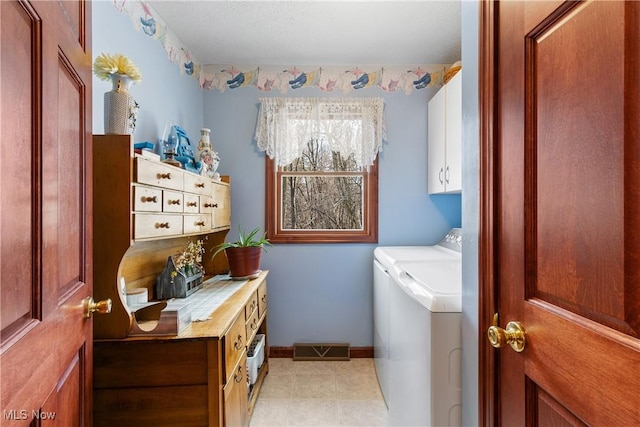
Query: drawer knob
200	185
264	298
153	199
173	202
192	204
200	223
254	325
164	176
238	344
162	225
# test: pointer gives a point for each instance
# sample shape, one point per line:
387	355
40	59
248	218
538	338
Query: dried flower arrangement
105	65
190	260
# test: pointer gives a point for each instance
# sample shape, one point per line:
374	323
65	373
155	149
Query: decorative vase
244	262
208	157
205	141
120	109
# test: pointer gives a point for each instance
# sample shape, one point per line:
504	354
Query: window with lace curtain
322	172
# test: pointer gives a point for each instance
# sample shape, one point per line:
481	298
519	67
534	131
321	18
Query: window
321	174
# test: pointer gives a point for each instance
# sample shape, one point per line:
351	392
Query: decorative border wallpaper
274	78
328	79
147	20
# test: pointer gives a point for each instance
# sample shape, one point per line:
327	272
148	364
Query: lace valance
351	126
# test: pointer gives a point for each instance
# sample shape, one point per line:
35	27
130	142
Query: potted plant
244	254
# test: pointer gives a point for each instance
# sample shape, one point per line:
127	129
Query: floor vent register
321	351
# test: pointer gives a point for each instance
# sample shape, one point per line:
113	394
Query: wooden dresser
144	212
198	378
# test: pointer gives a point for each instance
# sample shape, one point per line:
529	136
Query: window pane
318	157
322	202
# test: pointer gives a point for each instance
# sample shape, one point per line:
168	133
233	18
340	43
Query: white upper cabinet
445	138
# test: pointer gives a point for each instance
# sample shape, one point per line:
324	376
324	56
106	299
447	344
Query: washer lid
437	285
389	255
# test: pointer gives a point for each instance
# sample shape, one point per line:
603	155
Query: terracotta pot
244	262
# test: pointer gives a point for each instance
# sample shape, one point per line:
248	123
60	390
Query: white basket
255	357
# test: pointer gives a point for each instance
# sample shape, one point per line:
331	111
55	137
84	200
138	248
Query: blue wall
323	292
470	210
164	94
318	292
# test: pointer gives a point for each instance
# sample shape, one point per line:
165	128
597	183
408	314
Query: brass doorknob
100	307
514	335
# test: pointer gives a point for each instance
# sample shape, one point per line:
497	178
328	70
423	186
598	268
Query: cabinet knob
440	176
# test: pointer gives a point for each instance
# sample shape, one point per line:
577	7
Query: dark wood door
561	211
45	213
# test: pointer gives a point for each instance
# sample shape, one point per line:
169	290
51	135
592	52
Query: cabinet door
436	153
221	205
453	132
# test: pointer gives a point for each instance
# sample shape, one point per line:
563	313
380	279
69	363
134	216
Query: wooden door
560	211
45	213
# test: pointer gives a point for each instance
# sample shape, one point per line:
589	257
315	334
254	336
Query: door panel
547	410
67	395
19	285
566	187
46	343
577	159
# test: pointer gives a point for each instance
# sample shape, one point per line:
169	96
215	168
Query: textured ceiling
316	32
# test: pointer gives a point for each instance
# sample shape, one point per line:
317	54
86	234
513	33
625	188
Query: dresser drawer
197	224
262	299
207	204
172	201
251	326
158	174
197	184
147	199
235	341
156	225
251	306
191	203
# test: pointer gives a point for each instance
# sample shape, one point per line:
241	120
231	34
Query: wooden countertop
221	319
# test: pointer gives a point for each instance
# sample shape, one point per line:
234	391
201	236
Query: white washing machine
417	331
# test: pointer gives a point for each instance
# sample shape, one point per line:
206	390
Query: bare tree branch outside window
322	190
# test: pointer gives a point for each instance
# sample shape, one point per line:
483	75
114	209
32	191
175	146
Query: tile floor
319	393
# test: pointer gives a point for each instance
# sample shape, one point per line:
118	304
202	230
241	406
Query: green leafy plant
245	240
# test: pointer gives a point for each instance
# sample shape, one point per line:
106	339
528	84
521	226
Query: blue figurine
184	153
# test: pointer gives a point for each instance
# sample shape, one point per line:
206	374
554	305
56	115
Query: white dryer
417	331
